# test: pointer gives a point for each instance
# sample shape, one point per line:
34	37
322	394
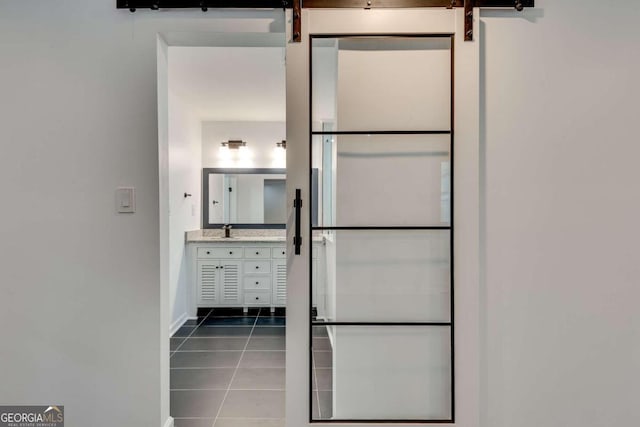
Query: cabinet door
207	283
230	272
279	283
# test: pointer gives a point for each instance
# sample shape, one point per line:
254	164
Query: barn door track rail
298	5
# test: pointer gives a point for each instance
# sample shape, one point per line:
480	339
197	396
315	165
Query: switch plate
126	200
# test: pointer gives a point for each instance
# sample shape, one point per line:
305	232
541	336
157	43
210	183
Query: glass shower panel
384	180
381	278
385	276
360	378
366	83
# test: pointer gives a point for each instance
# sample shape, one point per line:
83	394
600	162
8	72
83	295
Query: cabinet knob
257	297
257	267
217	267
208	253
282	252
257	283
230	253
222	266
257	253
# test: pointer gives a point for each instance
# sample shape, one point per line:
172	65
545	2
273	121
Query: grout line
202	367
234	337
192	418
250	418
197	389
194	329
222	336
205	367
236	370
315	391
249	351
226	326
235	389
229	367
239	326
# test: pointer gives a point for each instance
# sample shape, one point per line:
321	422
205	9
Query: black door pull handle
297	239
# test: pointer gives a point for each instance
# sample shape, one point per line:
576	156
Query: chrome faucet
227	230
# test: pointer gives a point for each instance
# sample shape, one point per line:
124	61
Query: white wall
261	138
81	285
81	296
238	78
162	85
560	214
185	150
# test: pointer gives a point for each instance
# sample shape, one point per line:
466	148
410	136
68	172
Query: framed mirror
246	198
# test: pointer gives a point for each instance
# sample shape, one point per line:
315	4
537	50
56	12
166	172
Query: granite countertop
240	235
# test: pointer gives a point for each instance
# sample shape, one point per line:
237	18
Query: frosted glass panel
368	381
324	83
385	180
370	83
386	276
381	151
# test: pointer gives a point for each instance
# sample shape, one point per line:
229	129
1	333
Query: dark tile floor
322	379
228	370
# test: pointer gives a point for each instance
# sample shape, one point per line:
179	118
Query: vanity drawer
279	252
257	267
258	282
257	253
223	253
257	298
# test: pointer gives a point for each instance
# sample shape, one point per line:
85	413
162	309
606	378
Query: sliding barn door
382	141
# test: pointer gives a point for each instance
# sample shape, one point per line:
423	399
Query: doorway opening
224	253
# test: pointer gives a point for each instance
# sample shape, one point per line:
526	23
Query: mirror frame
205	195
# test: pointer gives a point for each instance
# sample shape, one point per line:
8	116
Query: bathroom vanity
249	268
246	270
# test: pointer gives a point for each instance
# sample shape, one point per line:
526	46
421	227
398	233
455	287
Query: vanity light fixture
234	144
282	144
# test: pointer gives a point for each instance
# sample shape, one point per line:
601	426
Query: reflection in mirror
275	201
247	198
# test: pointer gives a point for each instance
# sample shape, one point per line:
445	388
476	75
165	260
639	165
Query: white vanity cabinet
257	276
218	282
279	281
279	276
240	274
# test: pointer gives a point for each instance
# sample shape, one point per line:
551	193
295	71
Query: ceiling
230	83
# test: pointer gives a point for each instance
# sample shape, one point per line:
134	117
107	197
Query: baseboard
169	422
178	324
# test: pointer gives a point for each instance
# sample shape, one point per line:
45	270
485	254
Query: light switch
126	200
